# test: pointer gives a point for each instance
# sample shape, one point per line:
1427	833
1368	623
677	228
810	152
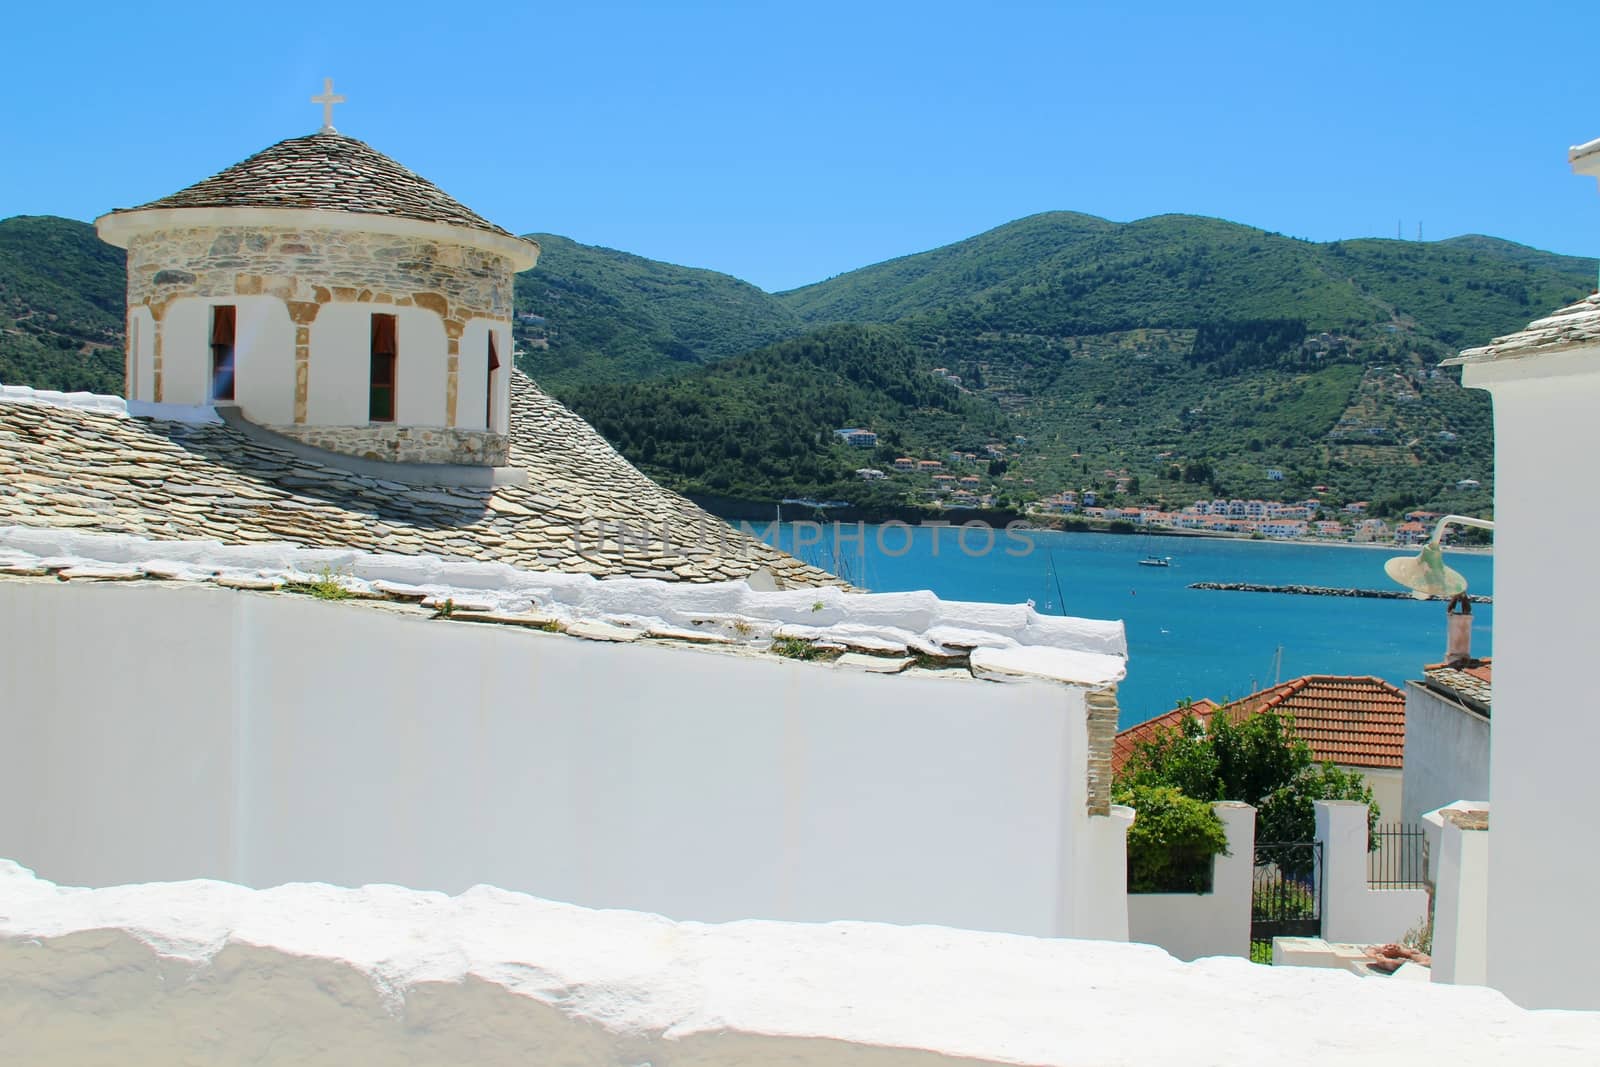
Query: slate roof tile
1573	326
1472	681
584	506
326	171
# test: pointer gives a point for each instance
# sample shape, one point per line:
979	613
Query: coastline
1121	528
1388	546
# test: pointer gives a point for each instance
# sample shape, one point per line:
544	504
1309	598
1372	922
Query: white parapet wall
1192	925
1353	912
164	732
313	976
1461	893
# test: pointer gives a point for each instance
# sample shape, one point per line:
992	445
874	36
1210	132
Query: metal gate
1285	894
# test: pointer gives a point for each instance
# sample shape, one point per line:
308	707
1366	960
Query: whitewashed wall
186	351
341	366
1546	732
1447	753
141	383
1388	788
264	359
263	355
1192	925
1352	912
474	372
311	976
266	739
1461	900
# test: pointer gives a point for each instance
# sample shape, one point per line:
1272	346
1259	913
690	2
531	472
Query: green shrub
1172	842
1283	900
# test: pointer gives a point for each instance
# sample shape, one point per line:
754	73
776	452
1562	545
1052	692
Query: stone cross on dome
327	100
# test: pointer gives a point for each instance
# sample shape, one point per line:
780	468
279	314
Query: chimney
1458	631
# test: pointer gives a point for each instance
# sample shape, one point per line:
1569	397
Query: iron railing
1285	894
1397	857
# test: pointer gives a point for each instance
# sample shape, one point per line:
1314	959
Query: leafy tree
1172	842
1258	760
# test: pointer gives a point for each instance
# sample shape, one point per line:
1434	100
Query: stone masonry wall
308	268
1103	713
406	444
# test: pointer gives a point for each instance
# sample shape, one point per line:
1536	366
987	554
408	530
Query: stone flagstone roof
1573	326
1351	721
326	171
584	509
1473	682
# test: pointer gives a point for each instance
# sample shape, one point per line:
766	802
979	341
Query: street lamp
1425	574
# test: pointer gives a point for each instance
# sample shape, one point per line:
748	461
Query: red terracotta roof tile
1351	721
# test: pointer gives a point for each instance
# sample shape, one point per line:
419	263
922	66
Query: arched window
222	351
494	366
380	402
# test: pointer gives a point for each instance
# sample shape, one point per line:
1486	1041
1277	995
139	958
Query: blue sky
784	143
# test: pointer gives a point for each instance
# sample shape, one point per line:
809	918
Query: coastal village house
364	605
1357	723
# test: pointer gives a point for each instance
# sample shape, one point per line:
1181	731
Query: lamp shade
1425	574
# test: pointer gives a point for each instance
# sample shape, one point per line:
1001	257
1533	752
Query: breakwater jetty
1321	590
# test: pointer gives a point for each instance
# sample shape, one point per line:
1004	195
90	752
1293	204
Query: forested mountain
608	316
61	306
1068	274
760	426
1176	356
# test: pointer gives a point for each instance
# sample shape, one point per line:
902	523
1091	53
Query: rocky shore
1321	590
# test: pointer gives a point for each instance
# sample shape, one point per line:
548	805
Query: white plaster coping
1585	158
311	974
120	227
1433	829
194	413
24	394
1008	641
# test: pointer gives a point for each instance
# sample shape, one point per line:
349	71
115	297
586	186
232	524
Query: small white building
856	437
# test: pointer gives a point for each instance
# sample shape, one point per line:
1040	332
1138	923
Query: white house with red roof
1357	723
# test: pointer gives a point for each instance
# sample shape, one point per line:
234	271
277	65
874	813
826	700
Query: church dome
324	292
325	171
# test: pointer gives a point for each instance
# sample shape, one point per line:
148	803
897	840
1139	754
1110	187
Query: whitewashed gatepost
1191	925
1353	913
1461	893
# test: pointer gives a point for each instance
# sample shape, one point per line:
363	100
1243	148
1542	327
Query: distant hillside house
1410	533
857	438
1357	723
1468	483
905	463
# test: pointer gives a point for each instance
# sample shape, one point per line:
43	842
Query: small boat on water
1156	561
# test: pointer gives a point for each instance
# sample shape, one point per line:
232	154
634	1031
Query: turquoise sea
1182	643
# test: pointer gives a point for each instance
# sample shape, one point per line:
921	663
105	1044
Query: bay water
1182	642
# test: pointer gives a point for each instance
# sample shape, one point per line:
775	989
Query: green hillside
1068	274
760	426
61	306
1176	356
609	316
